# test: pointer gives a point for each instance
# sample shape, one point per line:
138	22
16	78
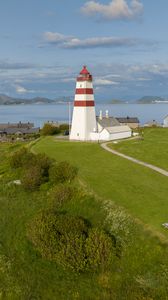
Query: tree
64	127
49	129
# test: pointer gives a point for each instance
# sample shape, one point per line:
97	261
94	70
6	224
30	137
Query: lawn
141	191
23	273
5	150
152	148
143	264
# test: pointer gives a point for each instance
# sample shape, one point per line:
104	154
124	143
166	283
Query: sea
41	113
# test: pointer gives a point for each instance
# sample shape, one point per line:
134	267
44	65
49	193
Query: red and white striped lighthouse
84	116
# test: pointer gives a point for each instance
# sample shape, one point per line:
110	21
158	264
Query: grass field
152	148
23	273
141	191
142	269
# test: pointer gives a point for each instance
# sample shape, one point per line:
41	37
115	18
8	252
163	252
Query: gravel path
139	162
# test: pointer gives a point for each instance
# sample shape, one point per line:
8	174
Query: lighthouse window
80	85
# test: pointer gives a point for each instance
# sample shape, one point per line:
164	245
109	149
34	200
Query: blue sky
44	43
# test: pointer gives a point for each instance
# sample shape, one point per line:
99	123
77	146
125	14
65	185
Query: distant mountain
6	100
117	101
64	99
151	99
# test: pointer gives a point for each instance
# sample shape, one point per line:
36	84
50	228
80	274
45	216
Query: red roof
84	71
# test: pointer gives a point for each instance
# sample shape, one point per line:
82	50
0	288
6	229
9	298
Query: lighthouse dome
84	75
84	71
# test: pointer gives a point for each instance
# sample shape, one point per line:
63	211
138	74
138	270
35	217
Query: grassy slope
23	273
30	276
140	190
27	275
152	149
37	278
5	150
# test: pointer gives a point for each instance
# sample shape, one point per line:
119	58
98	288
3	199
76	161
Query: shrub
61	194
121	224
20	158
49	129
62	172
60	238
32	178
42	233
72	254
99	249
35	167
69	241
64	127
43	162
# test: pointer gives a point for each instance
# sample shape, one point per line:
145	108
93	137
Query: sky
45	43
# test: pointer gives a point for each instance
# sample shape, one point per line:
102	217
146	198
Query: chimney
100	115
107	114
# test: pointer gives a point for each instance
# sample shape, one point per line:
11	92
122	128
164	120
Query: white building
165	121
85	125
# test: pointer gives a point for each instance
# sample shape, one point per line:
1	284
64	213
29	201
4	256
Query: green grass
141	191
143	266
30	276
152	148
5	150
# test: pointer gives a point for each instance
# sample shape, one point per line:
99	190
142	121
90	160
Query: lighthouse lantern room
84	116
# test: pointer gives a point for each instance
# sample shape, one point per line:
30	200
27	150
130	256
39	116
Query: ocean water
38	114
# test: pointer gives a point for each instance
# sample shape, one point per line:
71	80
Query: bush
60	238
49	129
32	178
69	241
62	172
64	127
35	168
43	162
20	158
99	249
61	194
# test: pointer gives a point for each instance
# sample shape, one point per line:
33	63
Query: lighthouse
84	116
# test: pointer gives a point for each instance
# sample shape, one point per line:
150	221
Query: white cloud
21	90
100	42
55	37
143	79
101	81
69	42
116	9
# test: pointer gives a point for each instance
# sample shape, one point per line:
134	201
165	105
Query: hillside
151	100
117	101
7	100
116	197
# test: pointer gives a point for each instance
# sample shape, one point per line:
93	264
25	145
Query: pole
69	110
